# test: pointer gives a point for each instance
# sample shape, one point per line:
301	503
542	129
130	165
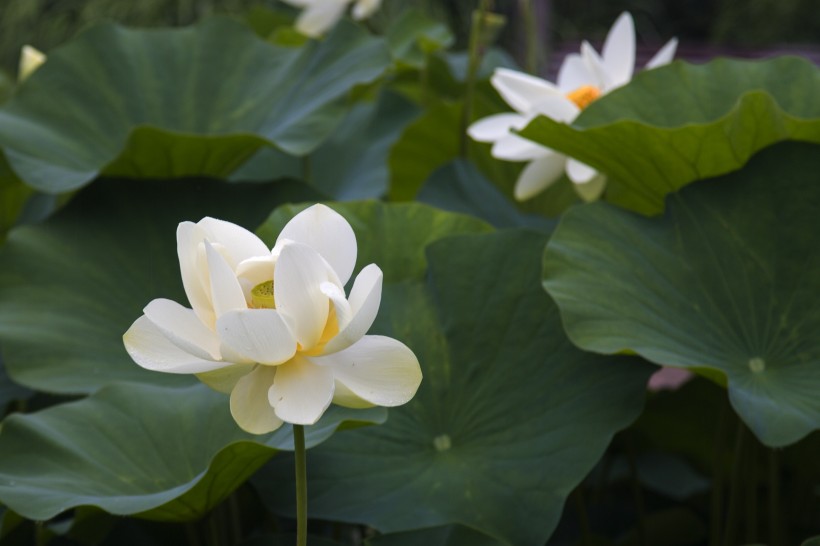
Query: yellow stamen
262	296
584	95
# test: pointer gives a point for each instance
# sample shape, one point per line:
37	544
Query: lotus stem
301	485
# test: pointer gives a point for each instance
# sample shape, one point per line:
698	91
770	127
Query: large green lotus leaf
509	418
683	122
183	102
162	453
352	162
727	279
71	286
460	187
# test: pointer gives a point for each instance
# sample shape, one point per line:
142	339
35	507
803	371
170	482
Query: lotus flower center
262	296
584	95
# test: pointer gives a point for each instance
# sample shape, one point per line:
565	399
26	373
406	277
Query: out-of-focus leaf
196	101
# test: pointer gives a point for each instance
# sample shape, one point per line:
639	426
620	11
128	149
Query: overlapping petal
328	233
520	90
148	347
496	127
301	391
364	301
237	243
249	402
183	328
539	174
226	294
297	280
377	369
259	335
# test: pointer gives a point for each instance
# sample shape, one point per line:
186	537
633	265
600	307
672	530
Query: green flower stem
527	10
476	48
774	498
750	477
735	485
637	494
718	477
301	485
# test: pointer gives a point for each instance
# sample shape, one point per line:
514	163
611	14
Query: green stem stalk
718	478
530	21
751	494
476	53
774	498
637	494
301	485
735	485
583	516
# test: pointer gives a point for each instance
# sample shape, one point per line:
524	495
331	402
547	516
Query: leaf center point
442	442
757	365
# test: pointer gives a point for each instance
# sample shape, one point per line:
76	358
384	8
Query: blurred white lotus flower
30	60
582	79
320	15
274	328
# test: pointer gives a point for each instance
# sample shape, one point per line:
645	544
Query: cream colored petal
319	17
595	65
558	108
365	298
328	233
30	60
258	335
301	391
664	55
183	328
618	52
515	148
538	175
340	304
365	8
495	127
592	190
297	280
574	73
342	396
521	90
236	242
578	172
149	348
377	369
249	402
224	379
226	293
193	267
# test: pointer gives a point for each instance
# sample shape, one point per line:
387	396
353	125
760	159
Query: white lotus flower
582	79
320	15
30	60
274	328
